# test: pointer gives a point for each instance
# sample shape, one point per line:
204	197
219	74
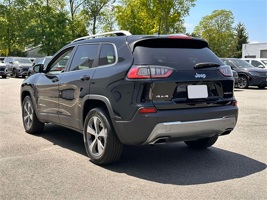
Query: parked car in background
43	60
247	74
132	90
235	75
17	66
3	71
257	62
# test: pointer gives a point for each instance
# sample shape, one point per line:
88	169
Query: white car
257	62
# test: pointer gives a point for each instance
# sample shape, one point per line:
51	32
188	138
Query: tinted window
60	64
178	58
22	60
228	62
255	63
237	63
107	55
84	57
38	61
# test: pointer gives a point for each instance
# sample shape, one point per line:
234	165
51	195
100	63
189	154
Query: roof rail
117	33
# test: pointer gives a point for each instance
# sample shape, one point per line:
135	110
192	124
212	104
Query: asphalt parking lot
54	165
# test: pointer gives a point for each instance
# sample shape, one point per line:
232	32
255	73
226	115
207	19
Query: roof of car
117	36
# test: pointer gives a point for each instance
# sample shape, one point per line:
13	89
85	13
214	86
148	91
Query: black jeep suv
133	90
248	75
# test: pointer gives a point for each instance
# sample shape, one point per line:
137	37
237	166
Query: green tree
153	16
107	20
77	19
13	26
217	29
47	27
93	9
241	36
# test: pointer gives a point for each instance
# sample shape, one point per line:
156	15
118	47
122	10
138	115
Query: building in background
34	52
255	50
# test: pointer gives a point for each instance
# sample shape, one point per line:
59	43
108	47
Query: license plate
197	91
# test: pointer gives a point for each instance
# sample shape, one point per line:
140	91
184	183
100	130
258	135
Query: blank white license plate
197	91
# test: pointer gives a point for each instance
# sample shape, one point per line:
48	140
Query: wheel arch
24	93
243	74
93	101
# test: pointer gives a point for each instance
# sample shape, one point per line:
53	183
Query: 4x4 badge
200	75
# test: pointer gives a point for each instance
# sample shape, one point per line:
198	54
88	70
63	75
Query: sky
252	13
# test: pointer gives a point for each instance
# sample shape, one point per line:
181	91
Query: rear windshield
178	58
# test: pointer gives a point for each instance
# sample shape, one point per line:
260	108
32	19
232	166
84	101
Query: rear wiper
206	65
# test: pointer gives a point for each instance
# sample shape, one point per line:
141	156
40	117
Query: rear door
75	84
187	86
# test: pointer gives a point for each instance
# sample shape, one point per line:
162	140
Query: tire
202	143
4	76
261	86
106	147
243	82
30	121
14	73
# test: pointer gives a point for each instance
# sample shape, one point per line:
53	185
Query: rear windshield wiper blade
206	65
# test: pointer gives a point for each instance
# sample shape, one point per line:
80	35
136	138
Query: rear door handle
85	78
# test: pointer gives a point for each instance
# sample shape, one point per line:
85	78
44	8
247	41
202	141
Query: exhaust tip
161	140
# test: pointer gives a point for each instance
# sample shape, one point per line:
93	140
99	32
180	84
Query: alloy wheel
96	136
242	82
28	114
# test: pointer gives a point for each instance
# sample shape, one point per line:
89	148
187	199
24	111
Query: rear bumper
177	125
192	129
3	73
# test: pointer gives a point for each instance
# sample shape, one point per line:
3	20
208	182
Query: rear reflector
235	103
147	110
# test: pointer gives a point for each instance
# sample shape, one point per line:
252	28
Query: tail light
226	70
149	71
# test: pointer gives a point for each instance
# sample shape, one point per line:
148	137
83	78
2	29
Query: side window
255	63
226	62
107	55
84	57
60	64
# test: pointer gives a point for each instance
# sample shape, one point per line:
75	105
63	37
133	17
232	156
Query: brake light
149	71
226	70
234	103
147	110
179	36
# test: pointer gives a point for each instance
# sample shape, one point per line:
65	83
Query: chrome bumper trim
176	130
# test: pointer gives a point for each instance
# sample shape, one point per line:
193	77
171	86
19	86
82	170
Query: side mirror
39	68
260	66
